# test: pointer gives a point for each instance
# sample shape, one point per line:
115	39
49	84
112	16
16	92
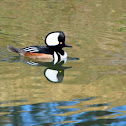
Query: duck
54	41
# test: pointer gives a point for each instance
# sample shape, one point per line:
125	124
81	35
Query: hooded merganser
54	41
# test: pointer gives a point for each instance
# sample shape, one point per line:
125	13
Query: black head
56	39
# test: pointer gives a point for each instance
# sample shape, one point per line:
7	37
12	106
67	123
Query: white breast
62	57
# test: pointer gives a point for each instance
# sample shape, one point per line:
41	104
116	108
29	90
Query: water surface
90	91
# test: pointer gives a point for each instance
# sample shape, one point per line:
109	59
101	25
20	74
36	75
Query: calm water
89	89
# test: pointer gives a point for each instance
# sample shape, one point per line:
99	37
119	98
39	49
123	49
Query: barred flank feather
16	50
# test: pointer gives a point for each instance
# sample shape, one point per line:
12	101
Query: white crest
52	39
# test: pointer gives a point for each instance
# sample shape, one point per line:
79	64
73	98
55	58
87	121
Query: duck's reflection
54	71
55	75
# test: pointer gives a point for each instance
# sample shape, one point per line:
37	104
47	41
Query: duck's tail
15	50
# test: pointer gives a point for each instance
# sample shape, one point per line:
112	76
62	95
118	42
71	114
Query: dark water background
91	91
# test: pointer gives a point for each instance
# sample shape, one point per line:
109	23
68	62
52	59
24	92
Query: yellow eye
61	43
60	71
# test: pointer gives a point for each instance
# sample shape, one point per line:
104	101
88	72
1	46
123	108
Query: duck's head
56	39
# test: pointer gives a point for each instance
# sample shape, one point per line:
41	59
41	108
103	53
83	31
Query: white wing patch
31	49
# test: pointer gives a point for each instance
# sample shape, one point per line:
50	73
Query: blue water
48	114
